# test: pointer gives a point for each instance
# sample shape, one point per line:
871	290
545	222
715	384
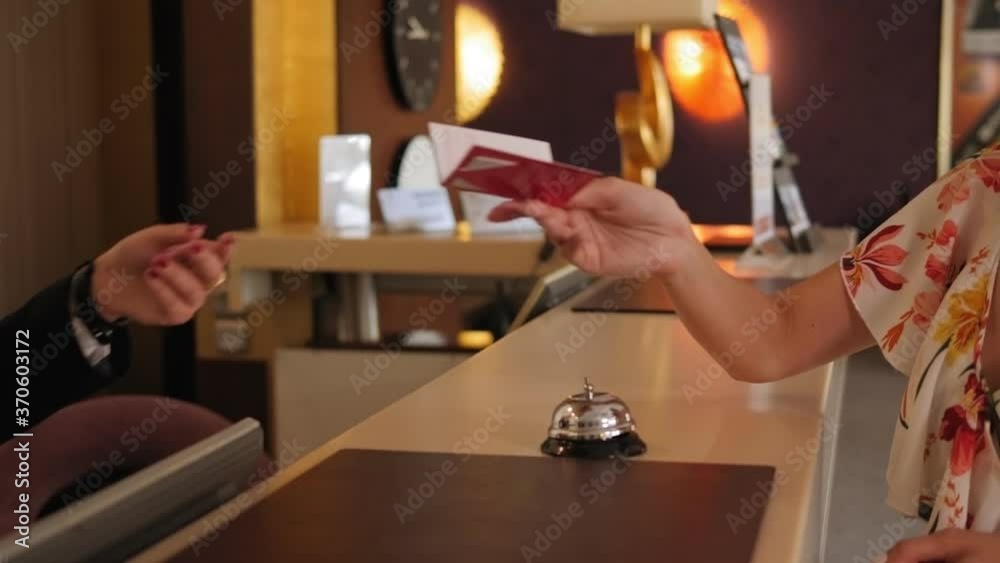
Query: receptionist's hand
161	275
613	227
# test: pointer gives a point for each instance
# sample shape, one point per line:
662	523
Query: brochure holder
804	235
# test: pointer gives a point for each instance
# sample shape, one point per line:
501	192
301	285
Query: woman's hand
613	227
159	276
948	546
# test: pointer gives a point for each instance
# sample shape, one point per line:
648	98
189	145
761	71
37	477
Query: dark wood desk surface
363	506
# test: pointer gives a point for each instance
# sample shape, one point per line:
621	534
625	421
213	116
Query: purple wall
560	87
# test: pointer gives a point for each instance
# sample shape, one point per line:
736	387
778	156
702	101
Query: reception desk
686	409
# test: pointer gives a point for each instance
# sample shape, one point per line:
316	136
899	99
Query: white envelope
451	143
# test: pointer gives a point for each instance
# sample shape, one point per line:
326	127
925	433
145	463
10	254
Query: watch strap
83	307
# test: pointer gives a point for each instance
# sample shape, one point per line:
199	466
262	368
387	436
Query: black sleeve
59	374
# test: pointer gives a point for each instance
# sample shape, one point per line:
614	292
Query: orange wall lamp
694	61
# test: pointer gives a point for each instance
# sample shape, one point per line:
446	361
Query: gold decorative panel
295	102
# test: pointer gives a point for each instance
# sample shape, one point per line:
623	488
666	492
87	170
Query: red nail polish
154	274
160	262
196	248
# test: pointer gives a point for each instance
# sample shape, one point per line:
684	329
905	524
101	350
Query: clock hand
417	30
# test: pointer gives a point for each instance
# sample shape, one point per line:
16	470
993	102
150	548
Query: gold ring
222	279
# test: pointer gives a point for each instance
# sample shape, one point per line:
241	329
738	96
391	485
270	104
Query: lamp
699	70
480	61
644	119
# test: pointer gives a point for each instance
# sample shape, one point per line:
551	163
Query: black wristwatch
83	307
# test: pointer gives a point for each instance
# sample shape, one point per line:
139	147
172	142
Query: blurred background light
701	78
480	61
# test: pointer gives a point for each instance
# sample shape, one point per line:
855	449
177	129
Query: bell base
628	445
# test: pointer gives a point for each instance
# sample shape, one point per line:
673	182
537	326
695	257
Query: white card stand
764	150
805	236
416	209
345	181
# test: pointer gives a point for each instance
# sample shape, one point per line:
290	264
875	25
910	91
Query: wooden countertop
286	247
313	248
683	412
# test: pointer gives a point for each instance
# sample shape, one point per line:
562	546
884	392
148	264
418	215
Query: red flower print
978	259
955	191
987	168
953	500
893	335
948	232
963	426
877	257
928	444
938	270
925	306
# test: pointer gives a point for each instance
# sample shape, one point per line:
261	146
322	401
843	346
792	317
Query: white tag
423	210
762	154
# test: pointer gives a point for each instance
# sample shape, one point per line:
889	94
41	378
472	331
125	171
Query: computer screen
550	291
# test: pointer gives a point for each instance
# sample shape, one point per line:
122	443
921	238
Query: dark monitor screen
551	291
128	516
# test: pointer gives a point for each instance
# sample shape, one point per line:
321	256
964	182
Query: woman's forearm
762	337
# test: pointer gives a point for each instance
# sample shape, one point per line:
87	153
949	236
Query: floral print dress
923	283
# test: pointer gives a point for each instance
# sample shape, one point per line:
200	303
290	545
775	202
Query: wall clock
415	50
416	166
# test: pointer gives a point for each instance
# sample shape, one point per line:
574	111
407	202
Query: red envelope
511	176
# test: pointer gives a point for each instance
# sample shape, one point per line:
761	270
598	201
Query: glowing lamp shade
701	78
480	62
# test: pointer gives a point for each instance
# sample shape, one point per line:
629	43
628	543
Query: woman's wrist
101	282
687	257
